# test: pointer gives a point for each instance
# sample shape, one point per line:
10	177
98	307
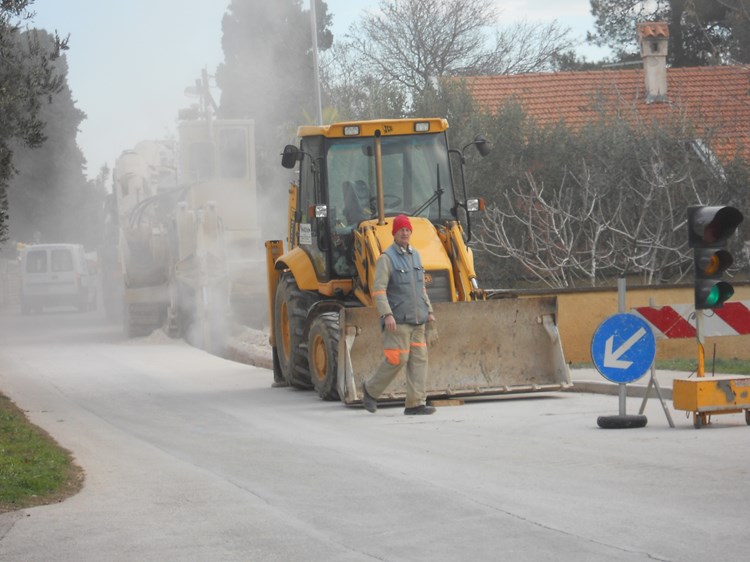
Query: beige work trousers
404	348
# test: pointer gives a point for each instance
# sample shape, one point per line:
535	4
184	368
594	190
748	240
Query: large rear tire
290	314
323	346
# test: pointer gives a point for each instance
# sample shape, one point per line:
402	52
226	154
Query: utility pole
316	66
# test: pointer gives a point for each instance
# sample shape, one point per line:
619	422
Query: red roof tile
716	99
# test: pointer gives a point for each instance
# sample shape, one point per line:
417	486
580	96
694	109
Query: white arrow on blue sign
623	348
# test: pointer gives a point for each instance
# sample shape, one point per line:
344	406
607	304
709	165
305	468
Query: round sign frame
623	348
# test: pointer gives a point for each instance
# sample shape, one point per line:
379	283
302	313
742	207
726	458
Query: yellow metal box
711	394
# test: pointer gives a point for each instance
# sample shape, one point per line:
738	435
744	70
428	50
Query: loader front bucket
485	347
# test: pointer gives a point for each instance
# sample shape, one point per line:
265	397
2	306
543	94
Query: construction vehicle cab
353	179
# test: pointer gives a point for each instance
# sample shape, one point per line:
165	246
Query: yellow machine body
326	332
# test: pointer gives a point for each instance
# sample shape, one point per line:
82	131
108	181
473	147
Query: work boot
368	401
420	410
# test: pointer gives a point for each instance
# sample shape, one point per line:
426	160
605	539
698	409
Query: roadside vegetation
34	470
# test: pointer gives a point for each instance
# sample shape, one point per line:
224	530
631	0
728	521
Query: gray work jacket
399	286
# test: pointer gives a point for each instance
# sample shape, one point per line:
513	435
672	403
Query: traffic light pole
701	369
709	230
701	372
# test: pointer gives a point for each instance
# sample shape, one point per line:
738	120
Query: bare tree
528	47
615	208
355	93
557	236
412	42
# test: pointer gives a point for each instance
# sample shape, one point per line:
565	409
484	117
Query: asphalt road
192	457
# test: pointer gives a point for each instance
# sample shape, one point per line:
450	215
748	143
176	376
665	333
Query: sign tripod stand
654	382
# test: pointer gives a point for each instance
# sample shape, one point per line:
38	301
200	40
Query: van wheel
290	311
323	350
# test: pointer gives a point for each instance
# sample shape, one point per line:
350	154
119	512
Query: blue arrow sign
623	348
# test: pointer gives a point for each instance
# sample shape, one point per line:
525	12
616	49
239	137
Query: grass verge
34	470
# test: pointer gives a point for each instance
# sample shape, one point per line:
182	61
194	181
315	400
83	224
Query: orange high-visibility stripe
418	344
375	293
393	356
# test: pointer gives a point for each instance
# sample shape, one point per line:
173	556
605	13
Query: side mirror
483	145
290	156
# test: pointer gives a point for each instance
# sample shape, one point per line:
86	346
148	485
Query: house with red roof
714	99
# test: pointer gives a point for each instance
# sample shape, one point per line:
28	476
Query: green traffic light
713	296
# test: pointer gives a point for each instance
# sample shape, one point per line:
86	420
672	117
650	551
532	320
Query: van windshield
36	261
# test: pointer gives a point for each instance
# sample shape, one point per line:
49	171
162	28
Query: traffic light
709	228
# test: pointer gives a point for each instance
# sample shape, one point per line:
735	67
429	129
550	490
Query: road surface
192	457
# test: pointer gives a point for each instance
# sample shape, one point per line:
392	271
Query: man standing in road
404	307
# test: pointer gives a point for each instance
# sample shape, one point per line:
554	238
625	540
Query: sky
130	61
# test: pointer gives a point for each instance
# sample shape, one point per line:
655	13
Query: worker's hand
431	333
390	323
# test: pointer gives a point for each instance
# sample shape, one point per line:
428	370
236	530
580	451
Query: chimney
653	38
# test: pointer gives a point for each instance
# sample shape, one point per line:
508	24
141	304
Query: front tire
323	346
290	314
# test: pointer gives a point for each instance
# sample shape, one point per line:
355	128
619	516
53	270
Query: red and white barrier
678	321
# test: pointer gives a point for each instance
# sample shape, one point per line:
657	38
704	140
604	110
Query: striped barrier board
678	321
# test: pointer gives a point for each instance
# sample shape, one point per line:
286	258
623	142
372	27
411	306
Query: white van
55	275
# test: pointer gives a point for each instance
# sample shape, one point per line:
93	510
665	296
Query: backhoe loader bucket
485	347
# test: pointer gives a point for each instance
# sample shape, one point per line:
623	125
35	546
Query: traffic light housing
709	229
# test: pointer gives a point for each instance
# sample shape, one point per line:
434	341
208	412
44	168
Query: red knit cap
401	221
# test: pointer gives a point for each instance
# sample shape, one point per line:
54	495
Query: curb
633	390
248	357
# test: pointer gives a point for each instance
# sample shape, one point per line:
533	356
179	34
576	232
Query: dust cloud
178	247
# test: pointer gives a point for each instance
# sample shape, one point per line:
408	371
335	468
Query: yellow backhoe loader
354	178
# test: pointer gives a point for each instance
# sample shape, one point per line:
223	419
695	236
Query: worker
404	308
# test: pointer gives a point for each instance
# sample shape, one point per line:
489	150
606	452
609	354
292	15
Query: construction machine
354	178
188	242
